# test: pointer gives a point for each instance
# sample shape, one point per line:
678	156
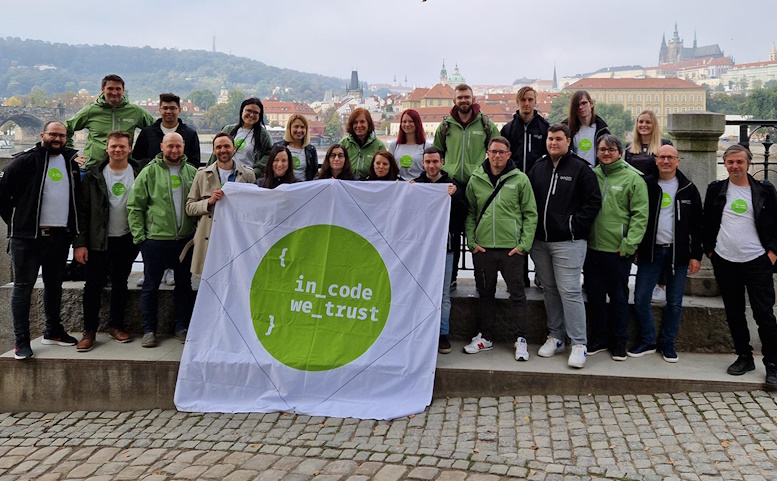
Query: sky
492	41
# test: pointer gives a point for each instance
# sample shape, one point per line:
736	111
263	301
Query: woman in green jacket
361	142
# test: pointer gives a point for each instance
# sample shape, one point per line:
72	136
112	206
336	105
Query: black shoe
619	352
22	349
61	339
641	349
742	365
595	348
453	285
771	376
444	347
669	354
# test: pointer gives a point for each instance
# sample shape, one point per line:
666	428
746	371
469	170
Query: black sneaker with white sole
61	339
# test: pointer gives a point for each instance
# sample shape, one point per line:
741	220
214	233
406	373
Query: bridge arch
30	126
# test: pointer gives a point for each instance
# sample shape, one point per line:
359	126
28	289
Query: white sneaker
521	350
659	295
140	281
577	356
169	277
478	344
551	347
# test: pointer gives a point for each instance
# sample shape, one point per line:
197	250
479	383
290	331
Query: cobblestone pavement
690	436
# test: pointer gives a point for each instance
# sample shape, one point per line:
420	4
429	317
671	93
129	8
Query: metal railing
764	131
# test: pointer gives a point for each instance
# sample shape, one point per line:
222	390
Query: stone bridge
31	119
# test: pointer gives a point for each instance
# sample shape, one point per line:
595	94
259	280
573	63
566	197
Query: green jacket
361	157
622	221
151	209
262	149
511	218
464	148
101	119
94	208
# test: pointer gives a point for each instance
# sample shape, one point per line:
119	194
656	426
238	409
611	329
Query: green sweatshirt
511	218
151	209
622	221
101	119
464	148
361	157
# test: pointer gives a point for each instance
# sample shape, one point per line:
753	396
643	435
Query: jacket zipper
40	194
551	188
525	142
73	193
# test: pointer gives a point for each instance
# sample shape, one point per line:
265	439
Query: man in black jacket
104	242
740	237
672	245
150	139
568	200
38	203
433	174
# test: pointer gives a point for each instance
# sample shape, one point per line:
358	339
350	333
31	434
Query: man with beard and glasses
463	138
38	202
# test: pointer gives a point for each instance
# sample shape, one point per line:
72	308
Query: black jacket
764	212
527	141
21	191
150	140
643	162
601	129
94	208
687	221
568	198
458	203
311	156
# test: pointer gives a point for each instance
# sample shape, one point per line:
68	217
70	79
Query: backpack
444	131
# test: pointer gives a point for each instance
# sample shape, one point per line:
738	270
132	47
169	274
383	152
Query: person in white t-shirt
740	238
104	242
303	155
408	148
585	126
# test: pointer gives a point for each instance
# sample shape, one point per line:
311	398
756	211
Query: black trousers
487	265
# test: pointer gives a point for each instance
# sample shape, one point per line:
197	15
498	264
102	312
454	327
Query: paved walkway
692	436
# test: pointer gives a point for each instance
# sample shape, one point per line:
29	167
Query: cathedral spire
554	87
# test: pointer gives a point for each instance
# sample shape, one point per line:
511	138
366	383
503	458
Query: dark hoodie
527	140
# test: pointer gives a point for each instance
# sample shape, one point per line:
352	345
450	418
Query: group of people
565	194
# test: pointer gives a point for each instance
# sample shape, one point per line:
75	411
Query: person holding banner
279	169
500	226
384	167
337	164
206	191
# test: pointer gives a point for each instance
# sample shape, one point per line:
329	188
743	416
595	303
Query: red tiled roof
632	83
439	91
275	106
753	64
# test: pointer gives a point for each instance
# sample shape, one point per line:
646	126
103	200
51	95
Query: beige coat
205	182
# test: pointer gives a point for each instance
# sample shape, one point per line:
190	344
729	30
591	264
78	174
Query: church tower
443	74
773	53
663	52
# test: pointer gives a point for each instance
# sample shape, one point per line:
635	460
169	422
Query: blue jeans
648	276
157	256
445	310
559	265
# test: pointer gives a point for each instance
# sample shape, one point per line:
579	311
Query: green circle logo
240	144
118	189
55	174
739	206
175	181
585	145
296	161
666	200
406	161
320	298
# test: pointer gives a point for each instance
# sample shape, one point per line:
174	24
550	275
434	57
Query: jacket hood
160	160
510	166
537	119
98	168
617	166
104	104
66	152
475	112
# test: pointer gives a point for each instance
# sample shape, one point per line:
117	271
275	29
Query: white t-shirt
177	185
166	131
737	239
55	206
409	158
665	232
584	144
119	185
224	175
299	162
244	143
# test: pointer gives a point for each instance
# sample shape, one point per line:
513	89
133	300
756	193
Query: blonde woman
641	152
303	155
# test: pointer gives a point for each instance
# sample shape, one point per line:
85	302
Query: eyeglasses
498	152
666	157
253	113
167	109
55	135
337	156
612	150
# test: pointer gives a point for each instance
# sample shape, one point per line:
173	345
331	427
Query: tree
38	97
761	103
758	84
723	103
559	107
13	102
332	126
618	120
204	99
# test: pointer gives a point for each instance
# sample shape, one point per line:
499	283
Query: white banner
319	298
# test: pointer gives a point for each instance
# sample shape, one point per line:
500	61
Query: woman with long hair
641	152
585	126
303	155
361	142
384	167
279	169
337	164
408	148
252	141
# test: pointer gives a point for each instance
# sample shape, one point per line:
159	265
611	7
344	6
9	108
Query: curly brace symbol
283	254
272	324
